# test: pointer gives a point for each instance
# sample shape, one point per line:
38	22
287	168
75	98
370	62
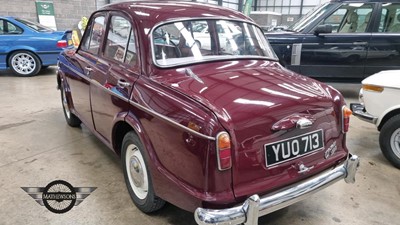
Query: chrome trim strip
296	54
203	18
255	206
137	105
172	122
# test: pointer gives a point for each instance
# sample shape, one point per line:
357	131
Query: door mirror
323	29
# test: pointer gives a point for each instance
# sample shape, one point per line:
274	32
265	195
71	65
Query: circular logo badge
59	196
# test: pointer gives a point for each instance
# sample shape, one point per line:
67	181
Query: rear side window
120	43
9	28
390	18
91	42
350	18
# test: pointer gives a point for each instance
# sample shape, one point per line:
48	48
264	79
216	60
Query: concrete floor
37	147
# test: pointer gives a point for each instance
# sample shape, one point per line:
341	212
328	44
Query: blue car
27	47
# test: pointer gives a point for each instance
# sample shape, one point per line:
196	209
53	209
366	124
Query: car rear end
284	140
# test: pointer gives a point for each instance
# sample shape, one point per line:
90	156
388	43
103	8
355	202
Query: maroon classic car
221	128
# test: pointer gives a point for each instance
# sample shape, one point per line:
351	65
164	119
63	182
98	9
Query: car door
8	35
84	64
118	70
384	50
343	52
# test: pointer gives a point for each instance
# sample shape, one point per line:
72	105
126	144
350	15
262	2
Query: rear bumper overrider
256	206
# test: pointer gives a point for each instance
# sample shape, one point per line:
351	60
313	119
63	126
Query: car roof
154	12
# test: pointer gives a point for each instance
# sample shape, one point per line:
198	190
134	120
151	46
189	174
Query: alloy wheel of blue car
24	63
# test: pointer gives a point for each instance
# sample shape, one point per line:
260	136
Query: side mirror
323	29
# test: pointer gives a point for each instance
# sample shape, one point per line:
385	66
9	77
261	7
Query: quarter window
92	42
9	28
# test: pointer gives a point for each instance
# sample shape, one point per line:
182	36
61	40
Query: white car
380	105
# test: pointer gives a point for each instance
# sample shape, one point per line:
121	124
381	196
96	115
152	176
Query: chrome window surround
230	57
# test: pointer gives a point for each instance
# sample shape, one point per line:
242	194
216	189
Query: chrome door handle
88	70
123	84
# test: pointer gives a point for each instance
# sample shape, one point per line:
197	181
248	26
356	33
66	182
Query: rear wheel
137	176
389	140
24	63
71	119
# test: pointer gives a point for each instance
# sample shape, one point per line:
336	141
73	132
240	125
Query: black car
342	39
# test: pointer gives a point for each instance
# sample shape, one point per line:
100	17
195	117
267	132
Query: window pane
12	29
117	38
92	43
189	41
350	18
1	27
390	19
131	54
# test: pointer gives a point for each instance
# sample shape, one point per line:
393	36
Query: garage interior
37	147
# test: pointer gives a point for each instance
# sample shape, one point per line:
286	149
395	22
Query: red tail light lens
62	44
224	154
346	113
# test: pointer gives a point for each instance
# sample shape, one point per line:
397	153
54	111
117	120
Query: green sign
45	8
247	7
45	12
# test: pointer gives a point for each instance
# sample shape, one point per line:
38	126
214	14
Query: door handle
88	70
123	84
360	43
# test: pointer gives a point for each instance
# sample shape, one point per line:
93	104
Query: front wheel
137	176
389	140
24	63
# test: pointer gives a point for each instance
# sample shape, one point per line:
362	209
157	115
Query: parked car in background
229	134
342	40
380	105
26	47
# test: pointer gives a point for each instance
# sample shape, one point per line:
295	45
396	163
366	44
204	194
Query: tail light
224	154
62	44
346	113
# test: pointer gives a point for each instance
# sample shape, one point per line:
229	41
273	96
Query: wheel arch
126	123
23	50
387	116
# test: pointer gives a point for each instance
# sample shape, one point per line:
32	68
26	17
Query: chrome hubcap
395	142
23	63
136	170
65	103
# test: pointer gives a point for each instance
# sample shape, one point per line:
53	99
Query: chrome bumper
359	111
255	206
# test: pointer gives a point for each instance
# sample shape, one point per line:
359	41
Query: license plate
291	148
